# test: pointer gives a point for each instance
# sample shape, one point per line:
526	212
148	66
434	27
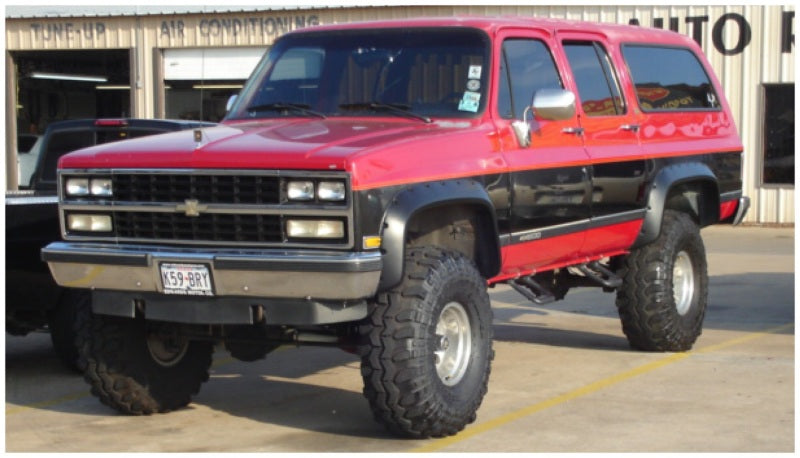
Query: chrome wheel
454	345
166	346
683	282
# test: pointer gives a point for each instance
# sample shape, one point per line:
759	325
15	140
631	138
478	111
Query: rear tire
141	367
427	346
664	295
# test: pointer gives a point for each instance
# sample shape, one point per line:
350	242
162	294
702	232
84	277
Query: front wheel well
464	228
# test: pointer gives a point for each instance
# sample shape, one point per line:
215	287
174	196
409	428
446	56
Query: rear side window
669	79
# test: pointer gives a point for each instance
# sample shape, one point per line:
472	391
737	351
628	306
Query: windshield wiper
394	108
285	107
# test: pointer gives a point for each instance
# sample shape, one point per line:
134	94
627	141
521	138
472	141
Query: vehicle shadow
319	389
548	336
748	302
299	404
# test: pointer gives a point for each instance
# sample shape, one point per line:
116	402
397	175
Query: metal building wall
741	73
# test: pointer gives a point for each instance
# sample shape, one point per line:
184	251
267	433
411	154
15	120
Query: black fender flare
667	179
424	196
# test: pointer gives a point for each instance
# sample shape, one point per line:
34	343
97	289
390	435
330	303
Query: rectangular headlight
331	191
77	187
77	222
314	229
100	187
300	190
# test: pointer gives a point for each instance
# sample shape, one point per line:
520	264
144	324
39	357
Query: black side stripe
571	228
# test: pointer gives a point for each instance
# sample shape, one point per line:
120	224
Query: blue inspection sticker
470	102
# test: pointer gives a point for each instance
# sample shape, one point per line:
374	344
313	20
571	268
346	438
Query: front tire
140	367
664	295
63	324
427	346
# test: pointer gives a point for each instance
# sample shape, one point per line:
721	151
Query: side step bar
594	274
600	274
533	291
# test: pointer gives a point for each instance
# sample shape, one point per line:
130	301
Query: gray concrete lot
564	380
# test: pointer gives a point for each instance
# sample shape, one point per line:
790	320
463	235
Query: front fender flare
424	196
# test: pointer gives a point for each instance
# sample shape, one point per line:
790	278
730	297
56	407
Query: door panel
610	135
550	187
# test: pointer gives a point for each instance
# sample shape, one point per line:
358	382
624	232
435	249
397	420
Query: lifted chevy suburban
373	179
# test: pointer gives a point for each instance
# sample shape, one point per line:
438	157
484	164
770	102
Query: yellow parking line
497	422
587	389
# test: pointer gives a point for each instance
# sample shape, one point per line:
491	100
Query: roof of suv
614	32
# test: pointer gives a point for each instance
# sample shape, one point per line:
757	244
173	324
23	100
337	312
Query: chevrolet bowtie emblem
191	207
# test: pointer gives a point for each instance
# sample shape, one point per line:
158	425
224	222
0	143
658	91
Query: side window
525	67
669	79
597	83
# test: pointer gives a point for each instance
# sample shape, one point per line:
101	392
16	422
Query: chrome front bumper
300	274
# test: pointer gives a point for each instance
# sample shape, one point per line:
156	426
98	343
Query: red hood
377	151
285	144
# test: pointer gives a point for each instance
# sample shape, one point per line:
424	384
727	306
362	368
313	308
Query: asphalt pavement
564	380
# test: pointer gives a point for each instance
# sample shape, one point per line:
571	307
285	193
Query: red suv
373	179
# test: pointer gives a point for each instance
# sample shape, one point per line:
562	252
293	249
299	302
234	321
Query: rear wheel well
467	229
698	199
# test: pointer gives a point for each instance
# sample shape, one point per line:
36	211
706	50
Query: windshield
411	73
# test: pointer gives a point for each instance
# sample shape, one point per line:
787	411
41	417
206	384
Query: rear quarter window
669	79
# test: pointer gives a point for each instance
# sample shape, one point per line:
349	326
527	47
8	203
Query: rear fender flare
660	189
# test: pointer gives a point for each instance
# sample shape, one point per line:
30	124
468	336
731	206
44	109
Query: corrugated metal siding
742	75
68	11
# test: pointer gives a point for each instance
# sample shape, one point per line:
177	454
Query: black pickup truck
33	300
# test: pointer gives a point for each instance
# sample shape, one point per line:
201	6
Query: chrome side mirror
522	130
229	105
554	104
550	104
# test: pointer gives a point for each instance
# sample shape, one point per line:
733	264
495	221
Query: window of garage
199	82
59	85
778	134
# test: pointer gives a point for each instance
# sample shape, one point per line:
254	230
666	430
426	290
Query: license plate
186	279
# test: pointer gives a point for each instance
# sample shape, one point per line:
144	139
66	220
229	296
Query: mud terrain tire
663	298
62	322
427	346
140	367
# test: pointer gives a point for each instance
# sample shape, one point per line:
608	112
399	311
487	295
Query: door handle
573	130
630	127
